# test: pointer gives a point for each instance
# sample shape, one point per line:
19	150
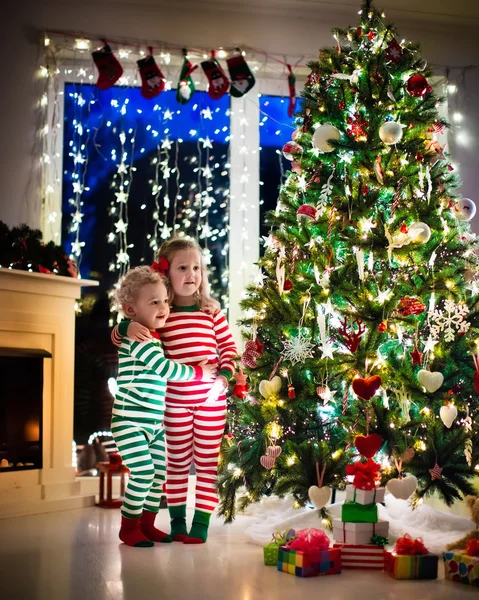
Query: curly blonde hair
175	244
131	283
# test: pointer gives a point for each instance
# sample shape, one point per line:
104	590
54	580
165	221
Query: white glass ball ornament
323	134
390	132
419	233
464	209
291	149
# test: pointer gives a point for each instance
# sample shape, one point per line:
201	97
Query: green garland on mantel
22	248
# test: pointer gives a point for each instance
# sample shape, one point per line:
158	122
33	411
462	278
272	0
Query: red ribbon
309	539
365	474
472	548
161	266
409	547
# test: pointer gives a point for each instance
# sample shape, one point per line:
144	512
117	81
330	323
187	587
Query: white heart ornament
319	496
431	380
267	461
448	413
402	488
268	388
273	451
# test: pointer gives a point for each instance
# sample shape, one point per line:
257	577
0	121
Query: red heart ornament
368	445
366	388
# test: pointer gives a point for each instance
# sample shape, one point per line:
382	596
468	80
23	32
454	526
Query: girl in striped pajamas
138	410
195	414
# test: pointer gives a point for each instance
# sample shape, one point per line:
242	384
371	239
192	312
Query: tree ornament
408	455
292	91
319	496
365	388
271	387
417	86
267	462
419	233
306	213
291	391
296	133
404	488
394	51
404	228
298	348
451	321
323	134
408	306
378	169
291	149
448	414
288	285
296	168
368	445
416	356
218	83
186	86
109	69
240	389
325	393
242	80
382	327
390	132
253	350
464	209
436	472
431	380
349	337
273	451
152	79
357	126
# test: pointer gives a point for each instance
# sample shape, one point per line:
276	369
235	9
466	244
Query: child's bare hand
209	371
138	332
211	307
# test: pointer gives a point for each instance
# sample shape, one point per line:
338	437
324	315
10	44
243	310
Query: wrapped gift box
270	553
364	496
358	533
419	566
309	564
353	512
461	568
367	556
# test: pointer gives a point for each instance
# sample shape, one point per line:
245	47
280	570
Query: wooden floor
76	555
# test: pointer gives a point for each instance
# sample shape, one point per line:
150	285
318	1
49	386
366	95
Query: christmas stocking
292	91
218	82
242	80
152	80
108	66
186	86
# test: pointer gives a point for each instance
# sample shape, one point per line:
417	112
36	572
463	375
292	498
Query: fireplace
21	376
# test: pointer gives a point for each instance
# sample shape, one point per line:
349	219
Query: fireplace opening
21	398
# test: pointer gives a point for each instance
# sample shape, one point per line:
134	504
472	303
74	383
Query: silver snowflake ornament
298	348
449	321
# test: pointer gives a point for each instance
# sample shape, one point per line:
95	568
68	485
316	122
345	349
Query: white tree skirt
436	528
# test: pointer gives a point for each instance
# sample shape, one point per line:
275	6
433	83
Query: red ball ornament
419	157
306	212
342	105
404	228
371	36
382	327
290	149
417	86
288	285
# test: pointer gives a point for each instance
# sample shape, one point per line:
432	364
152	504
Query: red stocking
152	80
292	91
218	82
108	66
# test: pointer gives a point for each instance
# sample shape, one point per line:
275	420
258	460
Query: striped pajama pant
194	434
141	444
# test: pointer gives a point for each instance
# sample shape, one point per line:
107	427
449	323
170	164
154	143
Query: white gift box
358	533
364	496
369	556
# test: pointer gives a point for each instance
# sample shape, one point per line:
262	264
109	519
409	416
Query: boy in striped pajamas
138	411
195	414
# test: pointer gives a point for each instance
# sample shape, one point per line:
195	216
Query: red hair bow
161	266
472	548
407	546
365	474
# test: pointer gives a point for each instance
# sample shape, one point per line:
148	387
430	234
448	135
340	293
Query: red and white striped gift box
367	556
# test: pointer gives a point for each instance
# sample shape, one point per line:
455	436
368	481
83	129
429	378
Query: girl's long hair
175	244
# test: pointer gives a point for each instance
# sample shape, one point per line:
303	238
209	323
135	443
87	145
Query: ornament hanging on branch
464	209
448	414
241	387
218	83
417	86
186	86
292	91
350	337
419	233
306	214
291	150
431	380
253	350
366	387
298	348
391	132
450	321
357	126
394	52
109	68
436	472
242	80
416	356
402	488
408	306
322	136
152	79
382	327
325	393
272	387
368	445
318	494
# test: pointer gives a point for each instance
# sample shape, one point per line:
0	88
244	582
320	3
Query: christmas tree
362	325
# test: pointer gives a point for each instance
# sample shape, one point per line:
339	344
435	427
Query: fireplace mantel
37	311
